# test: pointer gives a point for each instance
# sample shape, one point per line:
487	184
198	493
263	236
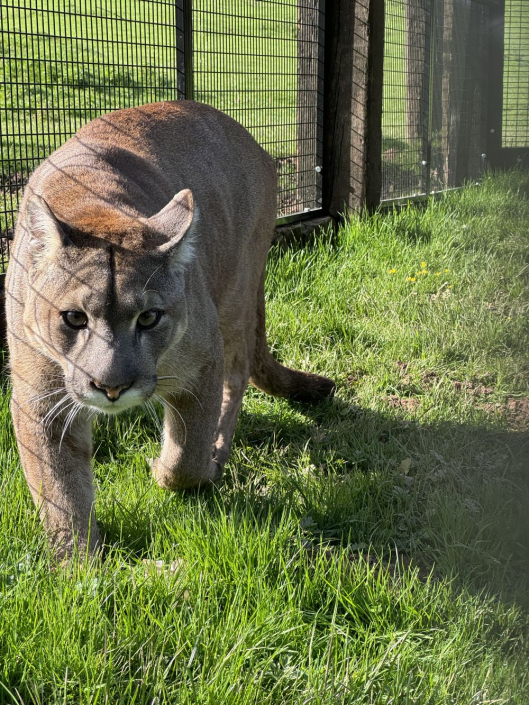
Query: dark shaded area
352	462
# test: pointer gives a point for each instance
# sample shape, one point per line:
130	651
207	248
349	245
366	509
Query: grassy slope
286	587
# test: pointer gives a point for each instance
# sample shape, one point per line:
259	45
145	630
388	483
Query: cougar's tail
271	377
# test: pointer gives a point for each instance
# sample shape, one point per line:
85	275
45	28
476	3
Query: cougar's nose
111	392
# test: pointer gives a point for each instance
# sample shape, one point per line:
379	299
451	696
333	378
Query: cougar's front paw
179	479
216	470
65	545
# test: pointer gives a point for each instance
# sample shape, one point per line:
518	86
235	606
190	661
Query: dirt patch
516	411
355	377
429	378
406	383
403	403
473	388
402	366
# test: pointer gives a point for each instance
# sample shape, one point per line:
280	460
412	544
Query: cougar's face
106	316
106	313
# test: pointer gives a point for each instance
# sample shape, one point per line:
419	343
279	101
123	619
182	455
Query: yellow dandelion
423	265
446	271
438	274
392	271
410	279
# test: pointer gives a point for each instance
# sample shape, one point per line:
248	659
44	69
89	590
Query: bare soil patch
515	410
403	403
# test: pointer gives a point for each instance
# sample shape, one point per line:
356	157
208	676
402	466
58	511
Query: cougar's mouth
127	400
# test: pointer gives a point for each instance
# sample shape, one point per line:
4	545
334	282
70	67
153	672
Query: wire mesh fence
434	111
262	63
459	93
516	75
64	64
405	98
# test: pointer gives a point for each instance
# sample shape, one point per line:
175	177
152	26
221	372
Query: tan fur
169	207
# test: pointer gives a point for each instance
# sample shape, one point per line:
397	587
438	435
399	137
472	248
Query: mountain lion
137	274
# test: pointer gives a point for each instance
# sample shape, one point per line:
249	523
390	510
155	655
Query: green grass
374	549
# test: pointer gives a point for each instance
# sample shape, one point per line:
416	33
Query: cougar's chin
97	402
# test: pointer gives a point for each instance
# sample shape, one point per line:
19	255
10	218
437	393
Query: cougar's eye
148	319
75	319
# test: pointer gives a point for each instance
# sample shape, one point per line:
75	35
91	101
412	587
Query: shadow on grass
451	497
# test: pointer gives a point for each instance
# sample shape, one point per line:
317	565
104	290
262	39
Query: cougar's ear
175	221
46	236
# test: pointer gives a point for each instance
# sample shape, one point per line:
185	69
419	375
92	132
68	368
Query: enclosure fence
516	75
260	63
435	95
357	102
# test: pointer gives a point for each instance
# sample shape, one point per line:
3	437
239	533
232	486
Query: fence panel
405	98
435	95
262	63
64	64
459	109
516	75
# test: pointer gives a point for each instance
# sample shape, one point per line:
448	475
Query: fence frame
350	37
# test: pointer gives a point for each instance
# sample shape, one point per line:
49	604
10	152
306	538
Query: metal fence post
495	112
354	51
310	18
184	48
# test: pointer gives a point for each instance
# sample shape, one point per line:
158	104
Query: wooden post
470	139
449	110
354	51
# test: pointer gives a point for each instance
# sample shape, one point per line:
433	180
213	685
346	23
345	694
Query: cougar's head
106	309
